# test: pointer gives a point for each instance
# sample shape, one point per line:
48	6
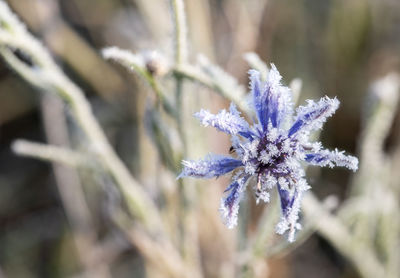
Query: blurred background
337	48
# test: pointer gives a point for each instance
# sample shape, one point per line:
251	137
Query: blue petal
312	116
233	195
209	167
332	158
315	158
229	122
258	99
273	102
230	205
286	200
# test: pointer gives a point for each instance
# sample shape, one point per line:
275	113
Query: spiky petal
229	207
312	116
271	100
209	167
229	122
332	158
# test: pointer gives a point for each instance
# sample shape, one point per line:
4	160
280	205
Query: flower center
271	154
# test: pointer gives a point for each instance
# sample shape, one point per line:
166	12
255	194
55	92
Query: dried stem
331	228
180	31
50	153
46	75
136	63
187	190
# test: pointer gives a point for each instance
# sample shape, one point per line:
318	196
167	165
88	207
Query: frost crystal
268	150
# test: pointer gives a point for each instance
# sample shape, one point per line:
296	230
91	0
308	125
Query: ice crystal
271	149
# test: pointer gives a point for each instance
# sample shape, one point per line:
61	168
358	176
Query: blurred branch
339	236
195	74
381	108
46	74
180	31
372	210
50	153
188	206
43	16
137	63
160	253
70	189
166	139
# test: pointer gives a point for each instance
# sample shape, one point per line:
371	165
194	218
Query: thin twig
180	31
187	191
193	73
339	236
136	63
50	153
53	80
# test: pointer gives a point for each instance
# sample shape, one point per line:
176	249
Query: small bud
155	63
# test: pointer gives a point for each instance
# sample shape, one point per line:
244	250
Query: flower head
271	150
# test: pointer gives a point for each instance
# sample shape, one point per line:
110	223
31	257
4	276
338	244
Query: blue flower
270	151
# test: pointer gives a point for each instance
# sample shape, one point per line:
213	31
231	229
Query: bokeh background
337	48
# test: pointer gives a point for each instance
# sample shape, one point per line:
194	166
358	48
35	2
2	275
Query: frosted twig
373	206
51	153
190	242
70	188
52	79
383	101
195	74
137	63
160	253
180	31
339	236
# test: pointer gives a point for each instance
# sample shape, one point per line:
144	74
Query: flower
271	150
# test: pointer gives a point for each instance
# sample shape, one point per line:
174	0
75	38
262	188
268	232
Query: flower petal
272	102
286	199
290	205
209	167
258	99
332	158
228	122
312	116
289	219
229	207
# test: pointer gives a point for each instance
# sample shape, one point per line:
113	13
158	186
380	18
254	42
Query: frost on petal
280	98
229	207
209	167
290	205
312	116
245	132
332	158
228	122
286	198
272	101
258	99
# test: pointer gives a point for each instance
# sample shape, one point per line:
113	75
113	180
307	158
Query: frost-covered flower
271	150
